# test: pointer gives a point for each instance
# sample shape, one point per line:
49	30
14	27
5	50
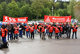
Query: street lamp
52	10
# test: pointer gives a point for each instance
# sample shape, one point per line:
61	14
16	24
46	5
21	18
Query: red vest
16	30
56	30
27	28
43	30
39	28
31	29
51	29
3	32
35	27
61	29
74	28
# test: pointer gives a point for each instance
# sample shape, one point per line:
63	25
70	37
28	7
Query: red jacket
3	32
51	29
75	28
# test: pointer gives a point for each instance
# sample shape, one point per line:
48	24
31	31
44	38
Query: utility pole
52	10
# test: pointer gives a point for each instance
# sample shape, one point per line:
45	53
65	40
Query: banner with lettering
15	20
57	18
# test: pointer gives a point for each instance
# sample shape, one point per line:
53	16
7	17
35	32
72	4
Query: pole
52	10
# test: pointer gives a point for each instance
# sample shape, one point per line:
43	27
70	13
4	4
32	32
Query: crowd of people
14	31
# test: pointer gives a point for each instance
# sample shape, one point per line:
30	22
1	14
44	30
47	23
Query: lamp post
52	10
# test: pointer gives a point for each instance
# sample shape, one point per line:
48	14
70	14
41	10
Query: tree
46	11
25	11
57	5
4	6
71	8
77	10
1	12
36	8
13	9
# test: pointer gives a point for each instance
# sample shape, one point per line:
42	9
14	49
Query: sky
66	0
62	0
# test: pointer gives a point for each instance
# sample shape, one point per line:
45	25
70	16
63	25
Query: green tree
71	8
13	9
1	12
36	8
25	11
4	6
46	11
77	10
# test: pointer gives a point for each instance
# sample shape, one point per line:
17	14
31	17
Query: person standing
20	30
16	31
50	32
43	33
27	31
39	29
9	27
61	30
69	31
56	32
4	34
35	28
75	27
32	32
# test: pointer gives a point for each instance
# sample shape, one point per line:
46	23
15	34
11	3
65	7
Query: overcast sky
66	0
62	0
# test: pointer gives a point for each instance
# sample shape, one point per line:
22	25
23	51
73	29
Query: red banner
57	19
15	20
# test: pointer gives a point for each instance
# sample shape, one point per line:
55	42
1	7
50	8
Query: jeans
32	35
28	34
15	36
43	36
40	34
57	35
10	35
4	39
60	34
47	32
50	34
20	33
35	31
75	35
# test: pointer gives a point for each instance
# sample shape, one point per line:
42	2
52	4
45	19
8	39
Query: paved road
38	46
